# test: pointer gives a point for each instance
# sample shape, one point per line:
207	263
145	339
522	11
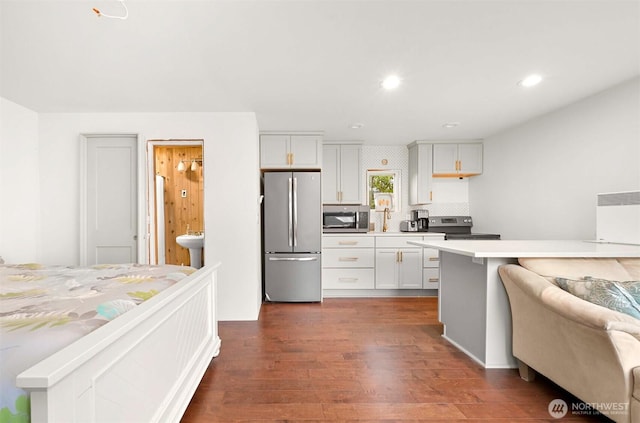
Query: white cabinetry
341	164
420	172
398	263
348	262
431	267
290	151
369	265
457	160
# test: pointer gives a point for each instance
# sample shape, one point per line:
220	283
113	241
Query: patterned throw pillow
632	287
611	294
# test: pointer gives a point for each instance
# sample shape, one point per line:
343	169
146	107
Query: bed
141	360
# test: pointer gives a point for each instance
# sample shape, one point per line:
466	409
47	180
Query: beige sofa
589	350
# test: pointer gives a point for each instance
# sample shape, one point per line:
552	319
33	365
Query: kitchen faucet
387	215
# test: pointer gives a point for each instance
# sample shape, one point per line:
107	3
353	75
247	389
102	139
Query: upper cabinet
457	160
420	172
341	170
290	151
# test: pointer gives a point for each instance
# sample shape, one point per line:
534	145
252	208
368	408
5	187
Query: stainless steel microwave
345	218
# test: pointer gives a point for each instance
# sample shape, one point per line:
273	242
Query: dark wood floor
359	360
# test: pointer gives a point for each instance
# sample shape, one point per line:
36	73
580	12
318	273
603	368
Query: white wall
231	214
19	187
541	178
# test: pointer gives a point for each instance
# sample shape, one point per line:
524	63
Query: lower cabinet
430	268
377	263
348	262
398	263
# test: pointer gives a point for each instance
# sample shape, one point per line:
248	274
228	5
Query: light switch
184	193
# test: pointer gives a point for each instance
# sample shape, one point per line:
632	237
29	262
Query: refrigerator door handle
295	212
293	258
290	209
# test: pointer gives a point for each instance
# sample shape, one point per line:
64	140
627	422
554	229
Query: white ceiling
317	65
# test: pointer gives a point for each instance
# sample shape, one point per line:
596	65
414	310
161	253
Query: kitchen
375	259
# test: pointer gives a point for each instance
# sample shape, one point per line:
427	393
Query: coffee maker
421	217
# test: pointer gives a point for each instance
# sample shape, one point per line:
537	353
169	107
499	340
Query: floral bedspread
43	309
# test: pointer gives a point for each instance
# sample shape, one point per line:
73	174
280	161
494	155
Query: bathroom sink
194	243
190	241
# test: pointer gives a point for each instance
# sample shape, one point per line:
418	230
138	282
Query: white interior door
111	221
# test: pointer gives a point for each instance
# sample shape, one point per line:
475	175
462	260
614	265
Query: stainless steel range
456	227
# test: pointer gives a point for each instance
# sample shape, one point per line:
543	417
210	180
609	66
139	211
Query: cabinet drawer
347	279
396	241
348	257
431	257
430	278
362	241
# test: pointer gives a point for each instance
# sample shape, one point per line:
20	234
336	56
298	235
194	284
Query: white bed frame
142	367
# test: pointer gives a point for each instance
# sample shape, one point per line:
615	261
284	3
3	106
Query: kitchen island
473	305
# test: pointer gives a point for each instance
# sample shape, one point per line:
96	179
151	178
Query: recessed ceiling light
391	82
531	80
450	125
356	125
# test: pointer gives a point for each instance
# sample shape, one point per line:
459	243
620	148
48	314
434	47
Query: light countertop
417	234
532	248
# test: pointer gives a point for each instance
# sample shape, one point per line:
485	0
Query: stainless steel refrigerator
292	223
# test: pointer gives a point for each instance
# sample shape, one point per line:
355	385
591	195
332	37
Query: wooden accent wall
178	211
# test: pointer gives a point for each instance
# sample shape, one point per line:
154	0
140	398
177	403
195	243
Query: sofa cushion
576	268
632	266
606	293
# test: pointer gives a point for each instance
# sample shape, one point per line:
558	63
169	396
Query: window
383	189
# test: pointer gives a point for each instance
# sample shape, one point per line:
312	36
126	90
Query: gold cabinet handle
348	279
348	259
434	259
291	158
347	242
433	279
